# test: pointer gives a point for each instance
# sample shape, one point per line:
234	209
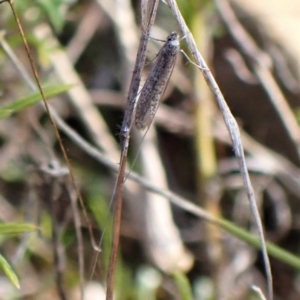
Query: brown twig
148	17
25	76
52	117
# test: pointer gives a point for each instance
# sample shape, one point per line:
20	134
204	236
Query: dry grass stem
124	135
233	131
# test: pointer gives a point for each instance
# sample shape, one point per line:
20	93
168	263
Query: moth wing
143	114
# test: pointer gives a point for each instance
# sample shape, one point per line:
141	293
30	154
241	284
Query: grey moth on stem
156	82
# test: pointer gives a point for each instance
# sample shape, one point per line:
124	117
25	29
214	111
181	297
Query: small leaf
18	105
16	228
8	271
53	10
183	286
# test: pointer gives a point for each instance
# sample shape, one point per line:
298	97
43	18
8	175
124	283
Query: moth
156	82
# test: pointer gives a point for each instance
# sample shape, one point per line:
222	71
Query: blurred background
166	252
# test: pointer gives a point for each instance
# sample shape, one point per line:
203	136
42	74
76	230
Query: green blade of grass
8	271
183	286
19	104
273	250
16	228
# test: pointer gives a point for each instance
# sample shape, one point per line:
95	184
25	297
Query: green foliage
183	286
191	8
12	171
8	271
20	104
15	228
4	265
52	9
273	250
